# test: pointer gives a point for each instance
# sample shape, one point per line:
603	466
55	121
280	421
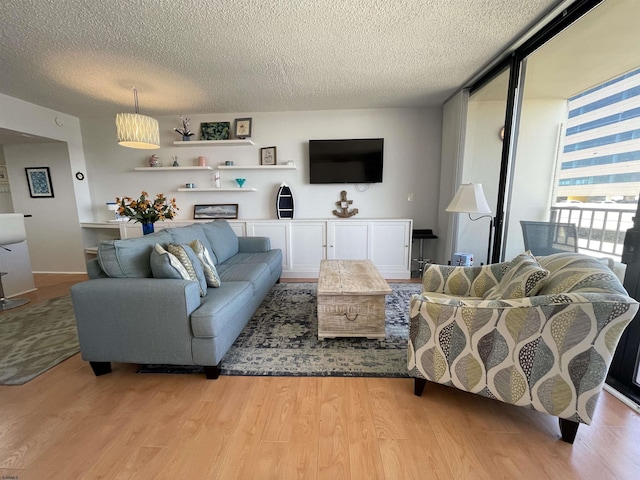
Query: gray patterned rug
282	340
35	338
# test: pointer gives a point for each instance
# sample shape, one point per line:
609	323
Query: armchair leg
568	430
418	386
100	368
212	372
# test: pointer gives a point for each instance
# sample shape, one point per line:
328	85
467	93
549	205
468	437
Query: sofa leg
568	430
212	372
418	386
100	368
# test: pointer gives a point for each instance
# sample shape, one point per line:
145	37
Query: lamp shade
469	199
137	131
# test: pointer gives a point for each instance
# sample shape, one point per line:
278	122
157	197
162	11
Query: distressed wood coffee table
351	299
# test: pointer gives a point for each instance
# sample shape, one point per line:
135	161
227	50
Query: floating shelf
214	143
236	189
256	167
166	169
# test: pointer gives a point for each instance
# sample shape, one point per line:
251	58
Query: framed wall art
214	131
39	181
213	211
243	128
268	156
4	177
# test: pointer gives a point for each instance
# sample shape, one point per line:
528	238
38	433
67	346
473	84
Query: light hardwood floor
68	424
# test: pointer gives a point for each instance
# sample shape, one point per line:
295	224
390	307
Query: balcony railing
601	229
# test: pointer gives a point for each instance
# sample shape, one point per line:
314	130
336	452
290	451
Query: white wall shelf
214	143
256	167
217	189
166	169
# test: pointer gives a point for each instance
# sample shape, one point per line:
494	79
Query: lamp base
8	304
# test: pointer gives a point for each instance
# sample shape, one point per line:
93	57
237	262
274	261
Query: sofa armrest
135	320
254	244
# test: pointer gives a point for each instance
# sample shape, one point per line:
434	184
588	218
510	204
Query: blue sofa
125	315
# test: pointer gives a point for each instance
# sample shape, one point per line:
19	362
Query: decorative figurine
343	206
154	161
175	161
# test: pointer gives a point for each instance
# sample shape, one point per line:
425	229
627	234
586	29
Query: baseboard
59	273
623	398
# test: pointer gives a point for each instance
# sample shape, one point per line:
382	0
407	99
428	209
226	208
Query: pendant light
137	131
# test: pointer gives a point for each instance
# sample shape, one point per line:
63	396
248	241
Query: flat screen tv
346	161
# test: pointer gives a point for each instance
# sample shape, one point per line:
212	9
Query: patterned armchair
537	333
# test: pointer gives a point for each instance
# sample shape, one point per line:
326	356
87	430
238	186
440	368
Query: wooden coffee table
351	299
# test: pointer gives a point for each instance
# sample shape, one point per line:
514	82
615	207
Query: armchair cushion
524	278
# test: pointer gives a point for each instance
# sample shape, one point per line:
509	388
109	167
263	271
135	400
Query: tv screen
346	161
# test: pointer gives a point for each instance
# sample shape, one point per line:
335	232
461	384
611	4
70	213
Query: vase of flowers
184	131
147	211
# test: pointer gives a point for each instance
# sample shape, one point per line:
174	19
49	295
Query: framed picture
4	178
243	128
268	156
39	181
213	211
214	131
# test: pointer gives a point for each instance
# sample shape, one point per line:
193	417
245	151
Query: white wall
411	164
535	162
55	244
6	205
21	116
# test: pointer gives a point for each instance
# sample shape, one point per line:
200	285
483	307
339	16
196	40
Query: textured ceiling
82	57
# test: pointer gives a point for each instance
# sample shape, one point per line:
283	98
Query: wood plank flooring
68	424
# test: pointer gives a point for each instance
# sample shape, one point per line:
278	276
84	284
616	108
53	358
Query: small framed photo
4	177
39	181
213	211
214	131
268	156
243	128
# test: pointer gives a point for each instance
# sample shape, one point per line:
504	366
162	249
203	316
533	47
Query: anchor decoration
343	207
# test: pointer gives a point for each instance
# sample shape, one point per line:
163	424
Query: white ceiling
82	57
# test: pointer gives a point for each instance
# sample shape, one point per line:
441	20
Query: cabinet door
308	247
390	245
278	232
238	228
348	240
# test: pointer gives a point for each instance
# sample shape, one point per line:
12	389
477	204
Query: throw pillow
524	278
166	265
190	261
210	272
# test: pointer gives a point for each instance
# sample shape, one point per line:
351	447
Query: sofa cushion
190	261
256	273
188	233
203	254
130	258
273	258
524	278
578	273
221	306
222	238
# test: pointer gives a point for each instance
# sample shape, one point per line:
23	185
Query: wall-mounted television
346	161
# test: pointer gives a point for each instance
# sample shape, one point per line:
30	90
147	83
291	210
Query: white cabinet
278	232
308	246
348	240
390	245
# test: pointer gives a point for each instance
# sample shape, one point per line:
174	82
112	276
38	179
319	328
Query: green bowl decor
214	131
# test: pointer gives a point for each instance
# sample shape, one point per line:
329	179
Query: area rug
282	340
35	338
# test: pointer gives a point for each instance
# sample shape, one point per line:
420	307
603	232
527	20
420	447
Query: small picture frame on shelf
268	156
243	128
213	211
39	181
